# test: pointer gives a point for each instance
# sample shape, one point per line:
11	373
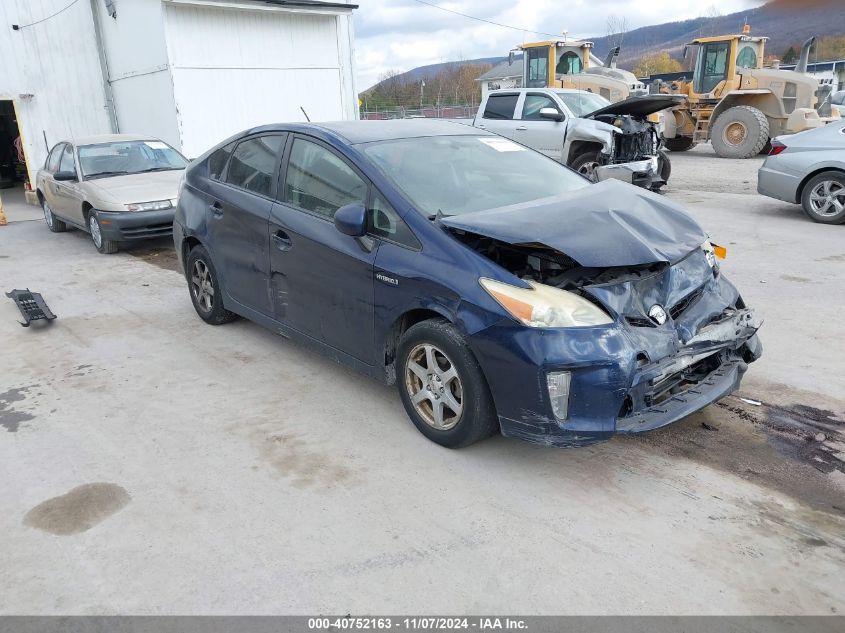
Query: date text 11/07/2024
347	623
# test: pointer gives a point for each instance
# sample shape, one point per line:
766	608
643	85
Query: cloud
404	34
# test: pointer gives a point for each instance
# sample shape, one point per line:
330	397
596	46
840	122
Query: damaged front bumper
642	173
623	378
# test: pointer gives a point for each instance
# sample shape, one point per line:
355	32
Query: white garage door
234	69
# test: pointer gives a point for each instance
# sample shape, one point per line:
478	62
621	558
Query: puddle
79	510
10	417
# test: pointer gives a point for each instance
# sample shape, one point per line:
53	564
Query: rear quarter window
217	161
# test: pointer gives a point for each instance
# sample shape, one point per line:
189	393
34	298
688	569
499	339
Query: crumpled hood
602	225
640	106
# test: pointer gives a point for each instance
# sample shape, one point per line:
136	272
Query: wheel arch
579	147
401	325
189	243
799	196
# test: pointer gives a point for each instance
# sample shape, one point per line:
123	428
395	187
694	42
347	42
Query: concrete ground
152	464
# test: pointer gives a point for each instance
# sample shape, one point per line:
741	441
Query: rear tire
586	164
823	198
53	223
664	165
740	132
442	386
679	143
205	289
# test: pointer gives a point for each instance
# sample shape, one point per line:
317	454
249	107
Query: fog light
558	384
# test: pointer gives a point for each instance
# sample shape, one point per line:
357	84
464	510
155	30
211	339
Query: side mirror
64	175
351	220
510	58
551	113
686	50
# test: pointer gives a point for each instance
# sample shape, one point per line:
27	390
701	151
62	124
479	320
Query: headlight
543	306
158	205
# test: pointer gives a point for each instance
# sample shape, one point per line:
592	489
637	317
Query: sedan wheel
53	223
204	287
442	386
434	386
824	198
102	244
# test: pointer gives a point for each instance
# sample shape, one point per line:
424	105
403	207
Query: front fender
585	130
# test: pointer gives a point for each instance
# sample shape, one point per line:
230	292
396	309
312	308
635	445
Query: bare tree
617	26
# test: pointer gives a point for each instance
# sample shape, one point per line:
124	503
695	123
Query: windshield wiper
107	173
144	171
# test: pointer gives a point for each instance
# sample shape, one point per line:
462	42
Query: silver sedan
808	169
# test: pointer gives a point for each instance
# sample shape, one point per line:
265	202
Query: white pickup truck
584	130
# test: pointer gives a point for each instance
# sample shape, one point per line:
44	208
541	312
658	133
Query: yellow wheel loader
735	103
571	64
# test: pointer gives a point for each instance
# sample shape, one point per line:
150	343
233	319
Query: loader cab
547	64
719	59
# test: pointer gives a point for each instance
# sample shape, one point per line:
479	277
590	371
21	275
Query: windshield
583	103
128	157
451	175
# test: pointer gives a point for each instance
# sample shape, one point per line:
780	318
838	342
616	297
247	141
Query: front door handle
282	240
521	128
217	209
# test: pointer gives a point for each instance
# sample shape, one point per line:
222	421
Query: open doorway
13	171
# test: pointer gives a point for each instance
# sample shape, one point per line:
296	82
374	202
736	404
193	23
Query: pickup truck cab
584	130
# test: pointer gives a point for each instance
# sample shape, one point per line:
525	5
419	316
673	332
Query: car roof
110	138
355	132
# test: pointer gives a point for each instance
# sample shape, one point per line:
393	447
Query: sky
404	34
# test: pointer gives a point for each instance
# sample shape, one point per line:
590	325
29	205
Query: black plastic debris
31	305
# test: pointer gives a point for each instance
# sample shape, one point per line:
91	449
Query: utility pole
422	86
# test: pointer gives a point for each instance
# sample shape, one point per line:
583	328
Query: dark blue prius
497	288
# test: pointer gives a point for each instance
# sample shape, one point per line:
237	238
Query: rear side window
320	181
217	161
53	160
253	164
500	106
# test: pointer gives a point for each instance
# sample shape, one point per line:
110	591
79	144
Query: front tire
740	132
823	198
104	246
442	386
586	165
53	223
664	166
205	289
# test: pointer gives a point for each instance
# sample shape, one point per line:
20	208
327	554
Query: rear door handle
521	128
217	209
282	240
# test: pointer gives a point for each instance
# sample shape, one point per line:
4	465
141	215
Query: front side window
537	60
253	164
66	163
128	157
712	66
54	158
533	104
451	175
500	106
319	181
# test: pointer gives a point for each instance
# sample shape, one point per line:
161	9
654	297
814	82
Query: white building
191	72
507	74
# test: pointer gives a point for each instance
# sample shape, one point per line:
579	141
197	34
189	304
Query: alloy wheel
96	235
589	170
828	198
201	285
48	214
434	387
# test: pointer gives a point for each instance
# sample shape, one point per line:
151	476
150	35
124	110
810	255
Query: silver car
808	169
117	187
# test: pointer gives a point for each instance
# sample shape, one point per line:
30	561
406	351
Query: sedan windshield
583	103
450	175
128	157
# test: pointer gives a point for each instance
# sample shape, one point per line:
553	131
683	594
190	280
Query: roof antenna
307	118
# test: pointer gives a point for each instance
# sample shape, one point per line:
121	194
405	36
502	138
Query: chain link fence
428	112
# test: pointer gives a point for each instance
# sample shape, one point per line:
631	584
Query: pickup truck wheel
53	223
442	386
664	165
823	198
679	143
739	132
586	164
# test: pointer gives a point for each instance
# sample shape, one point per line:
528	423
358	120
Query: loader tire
679	143
740	132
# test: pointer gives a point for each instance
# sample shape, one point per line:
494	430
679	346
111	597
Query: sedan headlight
158	205
712	251
542	306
